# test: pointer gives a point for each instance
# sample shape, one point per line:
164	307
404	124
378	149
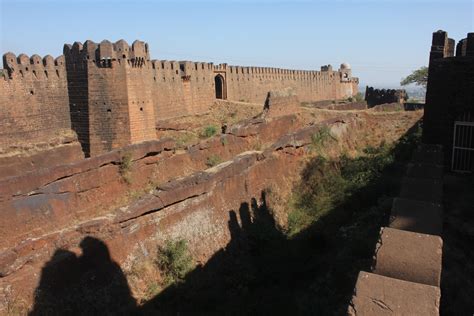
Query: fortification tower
110	94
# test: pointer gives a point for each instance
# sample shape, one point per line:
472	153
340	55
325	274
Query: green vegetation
418	77
224	141
184	139
125	167
209	131
321	138
327	184
359	97
213	160
174	261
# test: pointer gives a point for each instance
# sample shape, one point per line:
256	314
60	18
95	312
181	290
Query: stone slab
409	256
426	153
428	190
417	216
424	170
376	295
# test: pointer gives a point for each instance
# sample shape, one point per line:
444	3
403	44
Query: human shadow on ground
90	284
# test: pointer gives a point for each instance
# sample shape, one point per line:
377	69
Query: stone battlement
111	94
33	67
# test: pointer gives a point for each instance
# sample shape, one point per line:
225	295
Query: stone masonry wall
112	94
375	97
34	99
116	92
450	90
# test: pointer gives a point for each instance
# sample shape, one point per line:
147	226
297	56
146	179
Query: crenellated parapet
106	53
114	93
33	67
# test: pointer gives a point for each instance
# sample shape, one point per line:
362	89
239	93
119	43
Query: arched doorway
220	87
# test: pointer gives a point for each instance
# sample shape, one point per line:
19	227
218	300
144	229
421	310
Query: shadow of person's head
89	284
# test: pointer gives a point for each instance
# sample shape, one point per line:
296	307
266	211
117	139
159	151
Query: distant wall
252	84
381	96
34	99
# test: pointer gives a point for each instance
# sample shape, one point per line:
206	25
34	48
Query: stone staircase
406	273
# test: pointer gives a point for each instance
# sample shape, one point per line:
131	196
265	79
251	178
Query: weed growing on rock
213	160
224	141
125	166
321	138
209	131
174	261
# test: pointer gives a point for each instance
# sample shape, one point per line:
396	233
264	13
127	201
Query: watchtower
110	94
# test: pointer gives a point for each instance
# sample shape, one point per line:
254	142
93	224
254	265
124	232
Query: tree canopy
418	77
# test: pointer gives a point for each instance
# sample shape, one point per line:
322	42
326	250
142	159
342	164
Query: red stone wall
34	99
116	101
252	84
111	94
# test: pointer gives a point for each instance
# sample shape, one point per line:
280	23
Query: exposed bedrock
179	198
19	161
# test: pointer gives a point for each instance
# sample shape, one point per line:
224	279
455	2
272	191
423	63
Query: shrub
125	166
174	261
224	141
213	160
183	139
320	138
209	131
327	184
359	97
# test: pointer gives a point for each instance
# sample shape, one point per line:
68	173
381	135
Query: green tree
418	77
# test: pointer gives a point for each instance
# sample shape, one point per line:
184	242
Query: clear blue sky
382	40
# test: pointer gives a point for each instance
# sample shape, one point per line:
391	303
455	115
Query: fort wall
381	96
34	99
112	94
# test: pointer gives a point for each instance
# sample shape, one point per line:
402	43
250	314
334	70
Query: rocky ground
208	184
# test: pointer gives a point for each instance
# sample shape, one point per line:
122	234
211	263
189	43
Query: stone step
409	256
426	153
424	170
377	295
417	216
428	190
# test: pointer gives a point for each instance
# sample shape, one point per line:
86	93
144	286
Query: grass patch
125	167
321	138
326	185
209	131
213	160
174	261
224	141
184	139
